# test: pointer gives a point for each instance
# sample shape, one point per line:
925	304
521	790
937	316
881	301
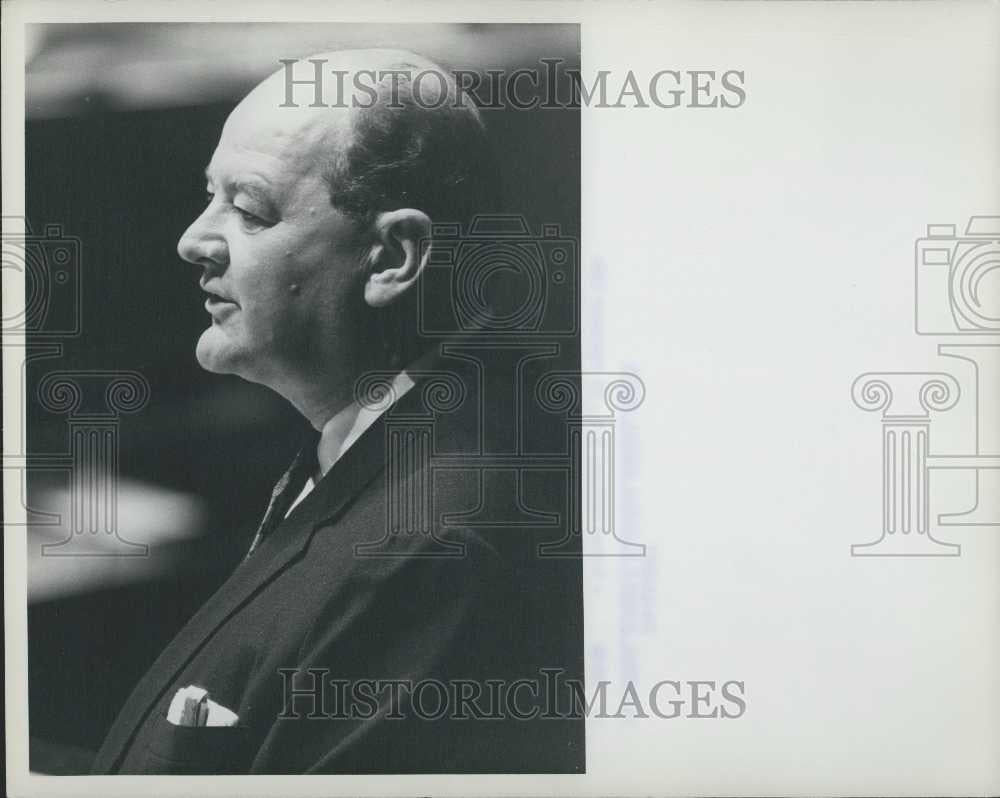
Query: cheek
291	283
262	276
321	280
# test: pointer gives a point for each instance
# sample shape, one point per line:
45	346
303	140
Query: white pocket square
191	706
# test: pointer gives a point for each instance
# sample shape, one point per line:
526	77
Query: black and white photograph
526	398
330	262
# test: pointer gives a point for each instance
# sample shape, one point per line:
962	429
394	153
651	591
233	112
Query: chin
214	353
220	354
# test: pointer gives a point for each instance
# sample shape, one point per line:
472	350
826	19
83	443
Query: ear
399	256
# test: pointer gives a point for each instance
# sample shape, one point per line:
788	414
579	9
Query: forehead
280	143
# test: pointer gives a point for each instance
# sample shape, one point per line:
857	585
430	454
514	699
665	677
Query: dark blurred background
121	122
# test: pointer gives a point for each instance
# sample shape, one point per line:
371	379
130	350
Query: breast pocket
197	749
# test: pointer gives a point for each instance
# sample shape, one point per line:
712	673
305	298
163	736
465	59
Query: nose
203	244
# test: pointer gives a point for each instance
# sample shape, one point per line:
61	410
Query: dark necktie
287	489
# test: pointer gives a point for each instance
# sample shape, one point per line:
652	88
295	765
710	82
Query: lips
217	303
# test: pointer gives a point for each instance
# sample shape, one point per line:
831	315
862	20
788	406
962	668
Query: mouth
217	303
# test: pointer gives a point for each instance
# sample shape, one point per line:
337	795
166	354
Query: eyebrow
247	185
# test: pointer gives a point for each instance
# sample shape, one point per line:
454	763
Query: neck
321	393
316	404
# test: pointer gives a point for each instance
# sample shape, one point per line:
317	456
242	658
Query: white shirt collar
341	431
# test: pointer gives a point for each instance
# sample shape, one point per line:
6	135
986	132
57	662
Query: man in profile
318	226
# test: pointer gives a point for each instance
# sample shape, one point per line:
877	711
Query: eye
251	220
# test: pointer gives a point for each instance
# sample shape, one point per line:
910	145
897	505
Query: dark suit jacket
306	600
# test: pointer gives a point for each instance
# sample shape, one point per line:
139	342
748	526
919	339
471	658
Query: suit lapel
286	489
277	550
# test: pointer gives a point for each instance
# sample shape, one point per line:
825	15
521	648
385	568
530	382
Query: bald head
389	129
260	121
